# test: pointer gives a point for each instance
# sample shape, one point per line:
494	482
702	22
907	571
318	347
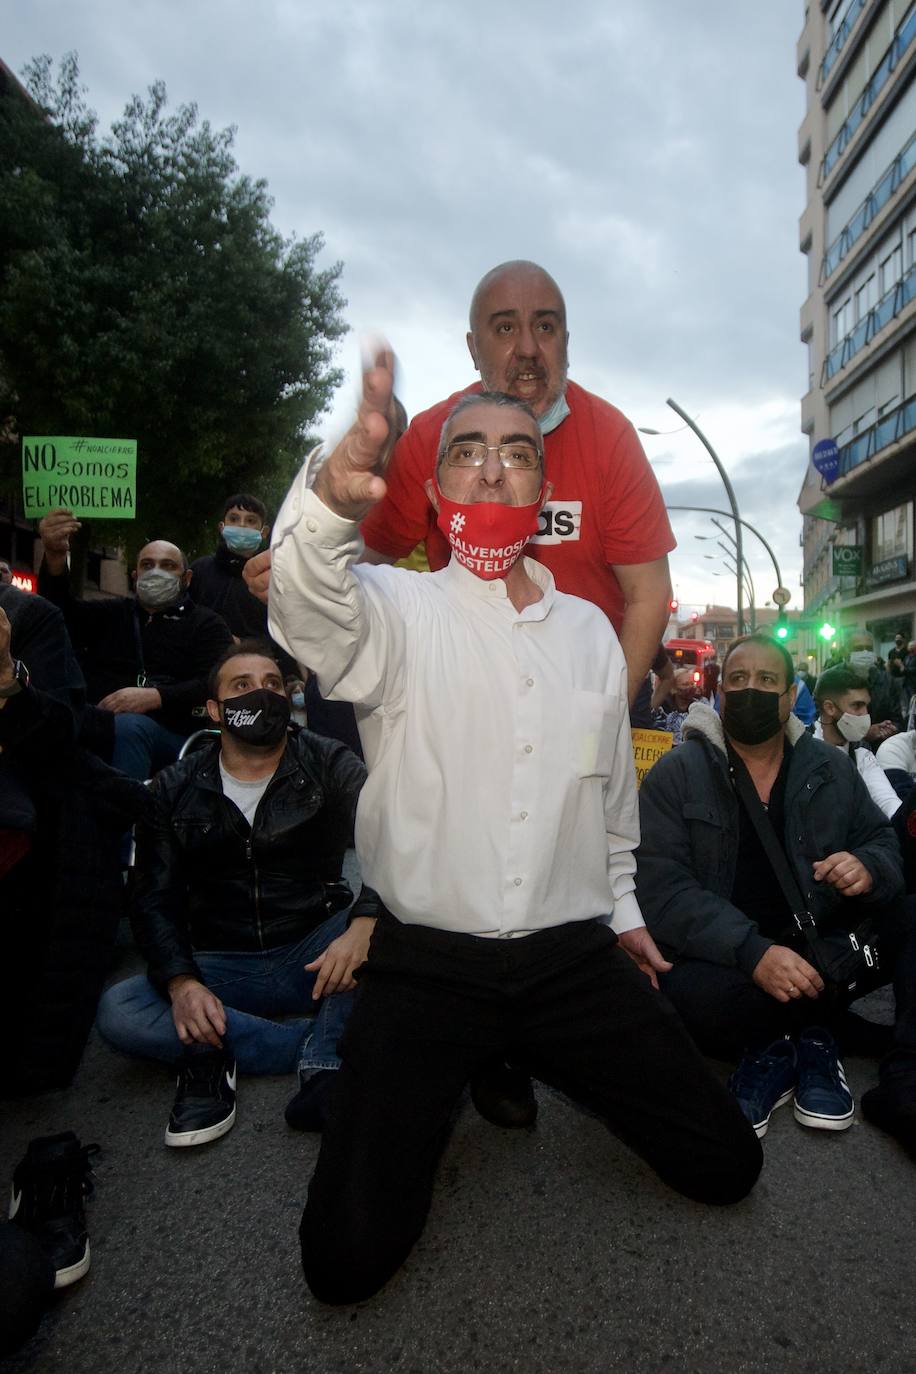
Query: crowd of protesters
524	912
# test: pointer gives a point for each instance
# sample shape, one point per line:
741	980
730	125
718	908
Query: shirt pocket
594	733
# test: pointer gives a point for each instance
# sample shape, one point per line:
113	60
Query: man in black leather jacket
243	860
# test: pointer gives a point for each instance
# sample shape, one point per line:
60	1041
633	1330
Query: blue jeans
253	986
143	746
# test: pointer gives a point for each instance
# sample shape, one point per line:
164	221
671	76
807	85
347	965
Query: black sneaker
762	1082
49	1187
822	1098
204	1107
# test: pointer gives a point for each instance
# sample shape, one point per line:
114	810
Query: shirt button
311	525
524	815
517	881
530	681
529	748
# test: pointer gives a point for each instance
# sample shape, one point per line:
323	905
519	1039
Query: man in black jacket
61	813
218	582
243	860
217	579
146	660
741	977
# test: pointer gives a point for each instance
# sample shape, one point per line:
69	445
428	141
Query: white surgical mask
158	588
863	659
853	728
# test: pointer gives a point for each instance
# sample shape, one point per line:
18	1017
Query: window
891	270
890	534
866	297
864	421
842	321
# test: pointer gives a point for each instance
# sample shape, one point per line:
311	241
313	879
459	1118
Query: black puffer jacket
206	880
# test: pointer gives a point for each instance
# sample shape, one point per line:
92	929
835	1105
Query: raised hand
350	482
54	531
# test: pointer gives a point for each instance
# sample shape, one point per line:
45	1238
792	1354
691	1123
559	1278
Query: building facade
857	144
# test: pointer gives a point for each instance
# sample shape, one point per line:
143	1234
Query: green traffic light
827	631
782	632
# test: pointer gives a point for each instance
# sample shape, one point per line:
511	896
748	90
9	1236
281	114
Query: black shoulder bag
849	961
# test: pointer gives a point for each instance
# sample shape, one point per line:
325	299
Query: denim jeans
143	746
253	986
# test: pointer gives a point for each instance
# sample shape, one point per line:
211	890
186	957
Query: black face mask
751	716
259	717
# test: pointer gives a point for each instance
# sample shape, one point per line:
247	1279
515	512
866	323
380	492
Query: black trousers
728	1014
433	1006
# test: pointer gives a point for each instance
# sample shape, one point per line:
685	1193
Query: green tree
145	294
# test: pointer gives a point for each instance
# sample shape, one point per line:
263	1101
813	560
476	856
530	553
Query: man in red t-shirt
604	534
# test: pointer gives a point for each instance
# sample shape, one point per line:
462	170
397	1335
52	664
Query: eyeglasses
463	453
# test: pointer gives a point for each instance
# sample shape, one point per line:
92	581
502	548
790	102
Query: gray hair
490	398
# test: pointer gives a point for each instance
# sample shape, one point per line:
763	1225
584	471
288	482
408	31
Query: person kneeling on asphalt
243	860
498	826
715	903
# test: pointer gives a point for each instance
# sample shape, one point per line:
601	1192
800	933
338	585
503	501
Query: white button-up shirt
501	796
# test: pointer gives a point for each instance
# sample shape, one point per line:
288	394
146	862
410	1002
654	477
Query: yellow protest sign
648	747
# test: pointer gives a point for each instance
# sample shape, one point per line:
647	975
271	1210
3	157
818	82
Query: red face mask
487	537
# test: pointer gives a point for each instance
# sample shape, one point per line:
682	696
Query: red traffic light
673	604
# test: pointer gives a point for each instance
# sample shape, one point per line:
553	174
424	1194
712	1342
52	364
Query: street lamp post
745	567
732	500
712	510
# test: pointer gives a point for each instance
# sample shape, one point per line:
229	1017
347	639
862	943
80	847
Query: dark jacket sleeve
39	637
159	912
342	775
687	919
211	635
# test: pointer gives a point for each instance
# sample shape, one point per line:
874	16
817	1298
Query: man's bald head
161	554
505	274
518	334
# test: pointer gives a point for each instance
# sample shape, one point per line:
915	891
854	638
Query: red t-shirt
606	506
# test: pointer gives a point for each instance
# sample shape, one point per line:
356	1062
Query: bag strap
772	848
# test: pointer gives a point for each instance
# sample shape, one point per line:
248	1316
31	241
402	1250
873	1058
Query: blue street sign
826	458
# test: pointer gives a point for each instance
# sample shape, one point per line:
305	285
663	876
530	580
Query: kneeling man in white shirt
498	824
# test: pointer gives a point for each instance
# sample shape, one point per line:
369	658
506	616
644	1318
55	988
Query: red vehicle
699	655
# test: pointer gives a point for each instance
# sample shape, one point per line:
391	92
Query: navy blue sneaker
764	1081
822	1098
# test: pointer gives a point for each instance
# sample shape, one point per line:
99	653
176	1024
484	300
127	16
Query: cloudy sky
644	152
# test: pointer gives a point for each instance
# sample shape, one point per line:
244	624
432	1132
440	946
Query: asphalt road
548	1250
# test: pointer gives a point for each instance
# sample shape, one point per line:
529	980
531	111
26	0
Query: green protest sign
90	477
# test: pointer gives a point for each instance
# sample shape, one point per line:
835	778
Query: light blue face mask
241	539
555	415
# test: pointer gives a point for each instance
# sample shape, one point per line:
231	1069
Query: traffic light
827	631
694	616
673	604
782	629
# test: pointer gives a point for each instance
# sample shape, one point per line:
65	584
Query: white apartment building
857	144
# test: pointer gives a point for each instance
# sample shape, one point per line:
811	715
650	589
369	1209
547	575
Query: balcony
884	432
902	39
838	40
889	441
886	186
888	308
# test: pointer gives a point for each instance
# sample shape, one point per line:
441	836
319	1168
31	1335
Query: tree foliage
145	294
